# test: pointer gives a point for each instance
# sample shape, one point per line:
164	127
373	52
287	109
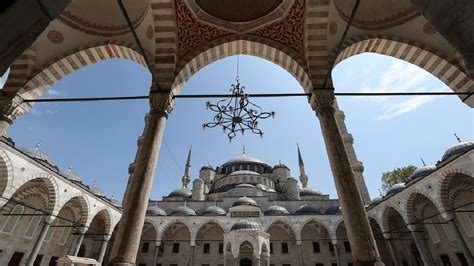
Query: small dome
37	154
307	209
265	188
245	185
115	202
245	225
243	159
422	171
375	200
155	211
180	193
276	210
395	188
96	190
281	165
207	167
244	201
71	175
309	191
458	148
214	211
334	209
244	172
183	211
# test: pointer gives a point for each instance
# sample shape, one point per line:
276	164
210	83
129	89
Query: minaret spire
303	176
186	179
243	150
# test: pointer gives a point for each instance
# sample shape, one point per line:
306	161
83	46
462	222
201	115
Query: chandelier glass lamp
237	114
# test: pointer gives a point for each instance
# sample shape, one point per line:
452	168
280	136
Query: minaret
303	176
186	179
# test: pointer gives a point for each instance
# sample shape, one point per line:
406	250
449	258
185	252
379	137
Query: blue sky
98	139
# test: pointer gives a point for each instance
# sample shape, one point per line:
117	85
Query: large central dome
244	158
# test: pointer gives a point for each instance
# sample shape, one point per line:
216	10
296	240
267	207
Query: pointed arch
6	172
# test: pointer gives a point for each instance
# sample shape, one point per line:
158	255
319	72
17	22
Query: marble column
39	240
388	241
361	238
336	252
76	245
157	250
192	256
421	246
300	253
103	248
453	227
127	241
10	109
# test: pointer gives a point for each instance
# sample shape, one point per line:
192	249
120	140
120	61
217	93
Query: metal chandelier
238	113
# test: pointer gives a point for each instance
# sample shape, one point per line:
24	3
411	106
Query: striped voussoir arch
6	172
80	200
444	183
102	213
165	42
228	47
316	30
21	70
74	60
440	66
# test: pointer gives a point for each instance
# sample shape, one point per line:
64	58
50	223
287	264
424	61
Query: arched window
50	232
13	219
33	225
64	234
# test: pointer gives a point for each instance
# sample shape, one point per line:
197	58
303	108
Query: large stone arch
411	202
80	201
60	67
6	173
107	216
225	47
170	223
320	222
281	220
444	184
448	71
212	221
386	215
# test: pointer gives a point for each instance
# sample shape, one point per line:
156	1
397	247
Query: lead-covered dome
37	154
245	225
395	188
244	201
180	193
307	209
334	209
276	210
214	211
207	167
71	175
155	211
375	200
309	191
96	190
183	211
244	172
244	158
458	148
422	171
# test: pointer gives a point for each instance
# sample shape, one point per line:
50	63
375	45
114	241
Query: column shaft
38	243
192	256
463	245
361	238
103	248
77	244
336	252
127	241
422	248
392	252
300	255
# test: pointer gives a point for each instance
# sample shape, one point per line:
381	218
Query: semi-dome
207	167
244	201
155	211
276	210
244	158
96	190
395	188
37	154
458	148
422	171
245	225
180	193
214	211
334	209
183	211
375	200
245	185
71	175
244	172
307	209
309	191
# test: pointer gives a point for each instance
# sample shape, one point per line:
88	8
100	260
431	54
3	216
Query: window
173	264
206	248
33	224
38	260
53	262
50	232
204	264
64	234
16	258
145	247
158	264
284	248
221	248
286	264
333	264
316	248
271	248
331	248
175	248
141	264
347	246
350	264
161	250
445	259
462	259
319	264
12	220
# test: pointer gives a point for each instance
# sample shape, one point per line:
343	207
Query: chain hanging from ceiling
238	113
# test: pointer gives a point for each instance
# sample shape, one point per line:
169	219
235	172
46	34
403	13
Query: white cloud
53	92
405	107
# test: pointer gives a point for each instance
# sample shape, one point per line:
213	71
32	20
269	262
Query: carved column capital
12	108
322	99
161	102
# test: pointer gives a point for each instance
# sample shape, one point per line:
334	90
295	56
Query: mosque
243	212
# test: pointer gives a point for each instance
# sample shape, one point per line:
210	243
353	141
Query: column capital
386	236
322	99
106	238
12	108
48	219
81	230
161	102
412	227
